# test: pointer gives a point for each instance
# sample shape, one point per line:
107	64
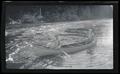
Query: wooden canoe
71	48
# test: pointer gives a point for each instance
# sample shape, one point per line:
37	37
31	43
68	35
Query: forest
57	13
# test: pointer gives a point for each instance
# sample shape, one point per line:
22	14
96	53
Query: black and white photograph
59	37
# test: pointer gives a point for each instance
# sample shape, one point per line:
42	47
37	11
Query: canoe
70	48
42	51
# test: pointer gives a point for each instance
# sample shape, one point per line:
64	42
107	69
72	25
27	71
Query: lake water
102	53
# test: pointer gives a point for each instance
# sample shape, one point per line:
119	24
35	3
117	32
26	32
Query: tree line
57	13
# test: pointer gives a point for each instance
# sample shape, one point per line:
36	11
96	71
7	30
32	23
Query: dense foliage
58	13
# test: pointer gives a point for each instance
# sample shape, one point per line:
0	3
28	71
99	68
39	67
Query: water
102	53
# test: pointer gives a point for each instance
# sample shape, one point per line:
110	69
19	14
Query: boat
69	48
